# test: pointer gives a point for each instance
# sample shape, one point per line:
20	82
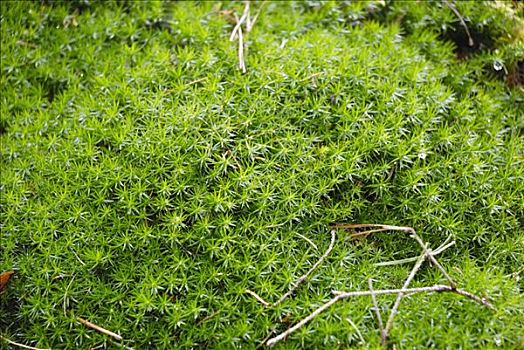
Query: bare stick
21	345
302	278
248	18
98	328
431	258
461	19
437	251
344	295
307	240
443	247
250	24
239	21
377	310
387	227
436	288
305	320
196	81
241	63
400	295
381	227
258	297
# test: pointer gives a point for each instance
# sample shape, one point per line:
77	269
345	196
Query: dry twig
238	30
302	278
250	24
238	33
427	253
437	251
239	22
344	295
410	230
307	240
99	329
196	81
20	345
396	305
257	297
377	310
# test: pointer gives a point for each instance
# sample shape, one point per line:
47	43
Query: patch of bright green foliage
146	182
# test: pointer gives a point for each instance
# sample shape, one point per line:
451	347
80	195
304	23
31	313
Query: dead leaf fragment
4	278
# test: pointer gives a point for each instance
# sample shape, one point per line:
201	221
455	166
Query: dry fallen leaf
4	278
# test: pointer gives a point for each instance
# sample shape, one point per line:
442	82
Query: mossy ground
146	182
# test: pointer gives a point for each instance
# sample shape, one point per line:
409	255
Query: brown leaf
4	278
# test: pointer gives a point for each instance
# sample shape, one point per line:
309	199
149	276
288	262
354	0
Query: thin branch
443	247
344	295
20	345
250	24
396	305
436	288
98	328
377	310
302	278
196	81
305	320
241	63
431	258
381	227
461	19
307	240
387	227
239	22
437	251
258	297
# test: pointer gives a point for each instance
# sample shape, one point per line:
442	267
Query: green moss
146	182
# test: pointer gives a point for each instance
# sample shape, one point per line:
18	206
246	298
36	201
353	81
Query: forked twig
396	305
436	288
431	258
239	22
251	23
377	310
8	341
437	251
99	329
344	295
410	230
427	253
241	61
302	278
237	31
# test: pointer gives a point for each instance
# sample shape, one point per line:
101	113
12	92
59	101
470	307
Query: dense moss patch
146	182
